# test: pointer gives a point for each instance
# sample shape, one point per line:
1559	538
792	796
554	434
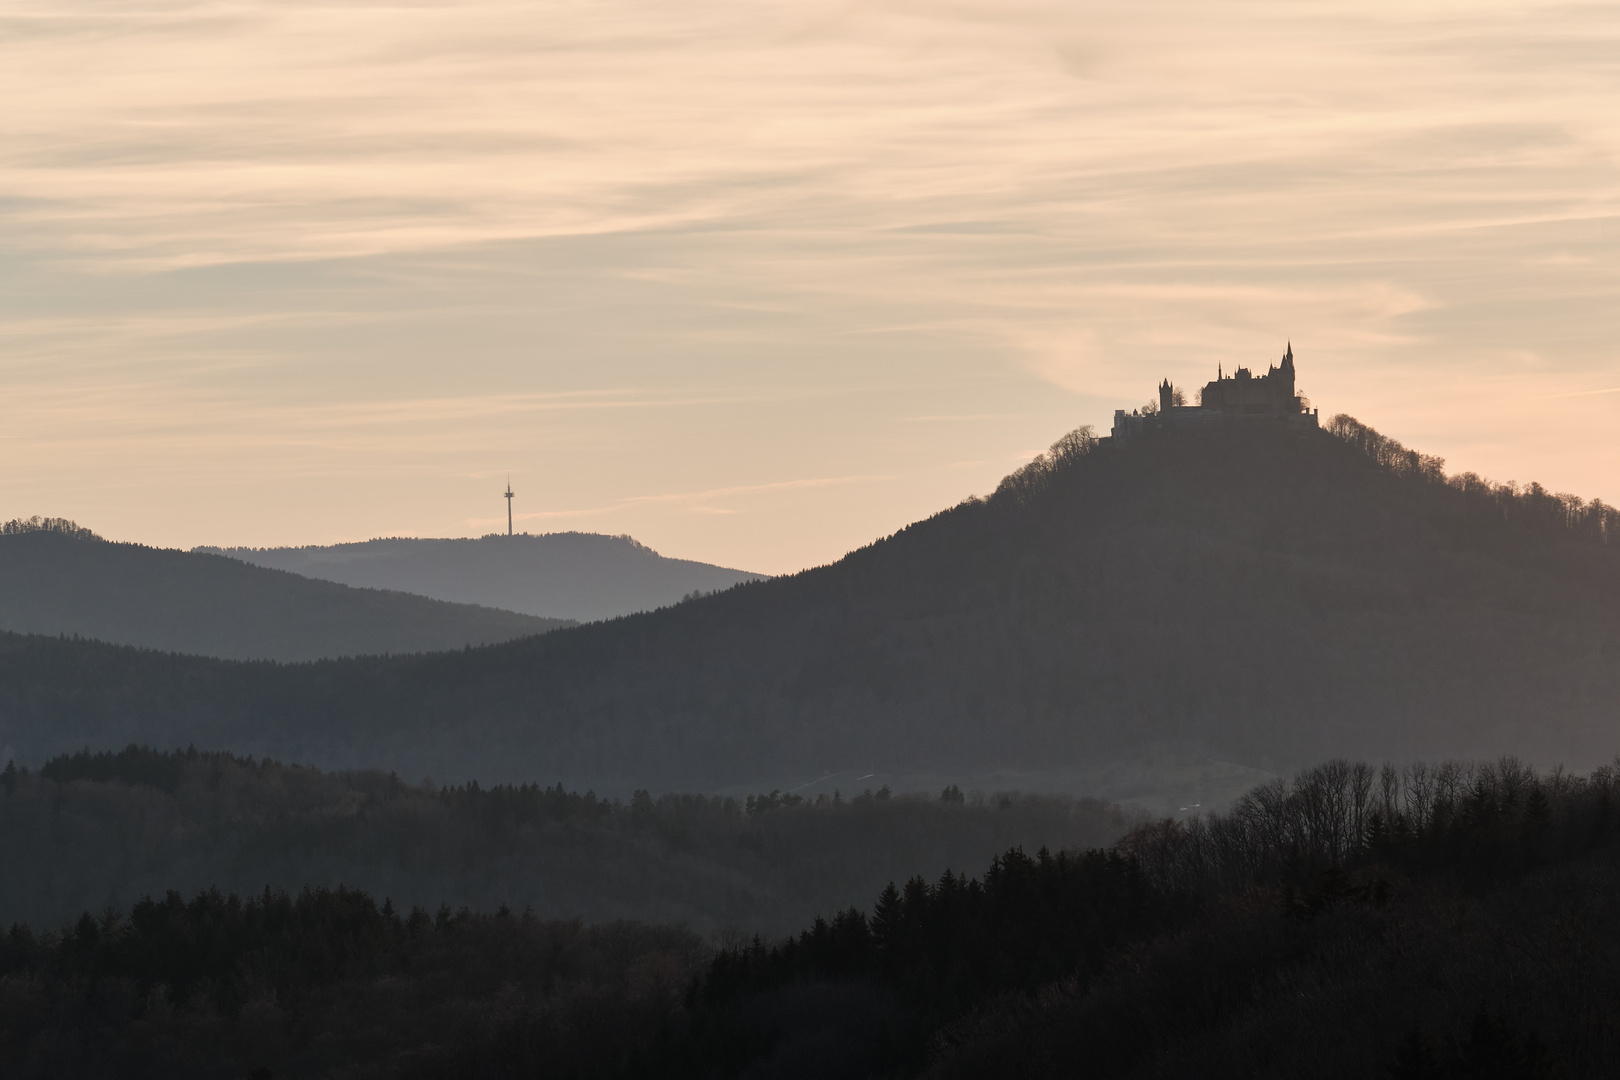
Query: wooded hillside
1438	922
89	830
67	580
1251	596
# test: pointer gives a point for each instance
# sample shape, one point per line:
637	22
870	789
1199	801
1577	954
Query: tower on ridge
508	506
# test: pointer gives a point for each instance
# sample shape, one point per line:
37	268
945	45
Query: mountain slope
583	576
1250	596
73	583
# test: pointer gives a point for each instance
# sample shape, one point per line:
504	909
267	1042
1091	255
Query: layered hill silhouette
573	575
58	579
1246	594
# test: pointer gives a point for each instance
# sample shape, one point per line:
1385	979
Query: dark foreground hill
66	580
572	575
1249	596
1417	924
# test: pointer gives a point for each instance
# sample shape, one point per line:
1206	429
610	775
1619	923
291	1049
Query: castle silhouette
1242	397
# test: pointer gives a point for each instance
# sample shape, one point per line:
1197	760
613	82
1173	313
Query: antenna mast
508	506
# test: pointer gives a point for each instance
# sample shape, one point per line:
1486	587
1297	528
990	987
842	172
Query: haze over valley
581	576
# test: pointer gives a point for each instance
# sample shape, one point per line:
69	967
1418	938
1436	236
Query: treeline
1530	507
327	983
861	995
92	828
1435	922
1438	921
134	764
18	526
1036	477
1478	820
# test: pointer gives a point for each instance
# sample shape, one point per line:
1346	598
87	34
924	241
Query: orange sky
758	282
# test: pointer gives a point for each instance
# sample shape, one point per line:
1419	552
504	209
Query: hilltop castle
1241	398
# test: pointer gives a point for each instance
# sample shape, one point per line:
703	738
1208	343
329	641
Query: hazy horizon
532	534
756	284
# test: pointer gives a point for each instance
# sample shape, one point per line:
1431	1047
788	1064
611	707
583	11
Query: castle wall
1241	396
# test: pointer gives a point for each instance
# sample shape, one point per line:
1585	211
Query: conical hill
1249	596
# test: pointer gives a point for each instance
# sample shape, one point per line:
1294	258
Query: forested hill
1252	596
571	575
56	578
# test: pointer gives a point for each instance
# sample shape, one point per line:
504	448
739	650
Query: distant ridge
59	578
1249	595
572	575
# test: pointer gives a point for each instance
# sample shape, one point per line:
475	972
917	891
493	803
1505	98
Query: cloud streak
310	242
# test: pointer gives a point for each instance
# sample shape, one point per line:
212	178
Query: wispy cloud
630	246
1579	393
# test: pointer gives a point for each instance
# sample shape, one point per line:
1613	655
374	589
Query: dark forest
1433	921
91	830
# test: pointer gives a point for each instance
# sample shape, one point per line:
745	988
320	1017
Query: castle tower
1167	395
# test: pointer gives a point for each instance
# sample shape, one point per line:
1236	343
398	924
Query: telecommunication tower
508	506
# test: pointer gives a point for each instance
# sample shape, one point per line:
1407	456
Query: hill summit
57	577
571	575
1241	398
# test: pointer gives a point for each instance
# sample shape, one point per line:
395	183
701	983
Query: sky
758	283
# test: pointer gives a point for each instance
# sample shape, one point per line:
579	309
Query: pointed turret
1287	373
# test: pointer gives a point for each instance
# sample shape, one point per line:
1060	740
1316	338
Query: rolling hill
585	576
1247	596
68	581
